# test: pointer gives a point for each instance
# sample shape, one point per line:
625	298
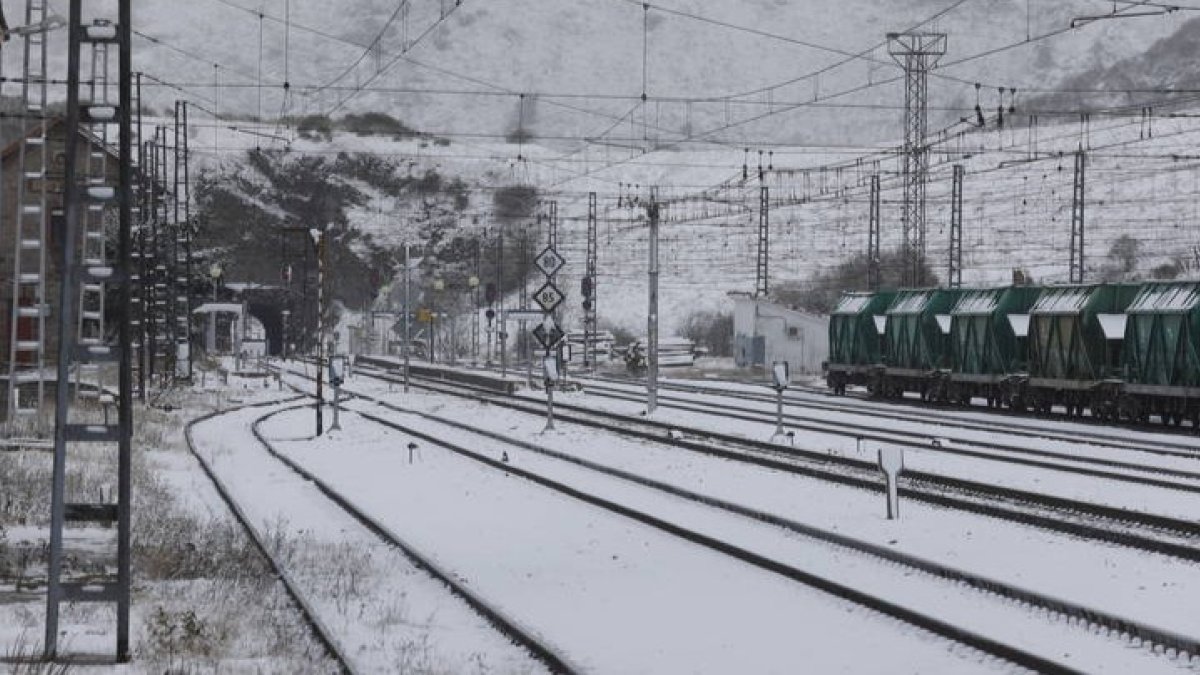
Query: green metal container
1162	335
1067	339
853	332
918	329
984	339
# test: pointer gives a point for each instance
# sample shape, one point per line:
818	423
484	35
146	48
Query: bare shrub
25	658
710	329
175	639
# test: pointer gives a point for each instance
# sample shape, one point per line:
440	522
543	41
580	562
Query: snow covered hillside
463	73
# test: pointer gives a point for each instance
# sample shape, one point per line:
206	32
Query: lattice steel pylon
874	274
917	53
1078	222
77	426
761	281
954	276
30	307
590	324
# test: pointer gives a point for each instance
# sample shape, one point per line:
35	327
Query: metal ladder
164	347
181	273
137	255
89	383
80	272
27	339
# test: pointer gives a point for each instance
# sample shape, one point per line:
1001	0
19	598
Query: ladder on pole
75	426
90	331
27	339
164	346
138	288
181	248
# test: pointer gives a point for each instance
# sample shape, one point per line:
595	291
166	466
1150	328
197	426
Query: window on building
793	332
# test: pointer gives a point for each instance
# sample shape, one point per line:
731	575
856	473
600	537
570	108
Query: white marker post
891	463
781	378
550	371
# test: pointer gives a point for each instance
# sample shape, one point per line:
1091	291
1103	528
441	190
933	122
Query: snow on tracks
372	606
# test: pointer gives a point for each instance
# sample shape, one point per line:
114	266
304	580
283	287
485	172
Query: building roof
49	125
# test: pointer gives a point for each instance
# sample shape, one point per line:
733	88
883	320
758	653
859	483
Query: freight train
1121	352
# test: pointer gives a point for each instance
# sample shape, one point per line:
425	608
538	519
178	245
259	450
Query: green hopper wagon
988	331
917	339
1162	352
1074	342
855	347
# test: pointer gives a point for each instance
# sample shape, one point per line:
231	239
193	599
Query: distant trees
515	202
315	127
321	127
1122	259
821	293
713	330
376	124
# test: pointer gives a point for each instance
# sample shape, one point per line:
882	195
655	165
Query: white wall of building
800	338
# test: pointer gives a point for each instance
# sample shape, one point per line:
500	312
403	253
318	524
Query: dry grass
204	597
24	658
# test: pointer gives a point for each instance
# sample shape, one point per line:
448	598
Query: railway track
502	623
1099	624
914	410
1144	531
946	443
310	617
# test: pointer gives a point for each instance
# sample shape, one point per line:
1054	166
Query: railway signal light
585	287
489	294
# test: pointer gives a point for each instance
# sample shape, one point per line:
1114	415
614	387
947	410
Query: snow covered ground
1051	564
203	601
385	613
614	595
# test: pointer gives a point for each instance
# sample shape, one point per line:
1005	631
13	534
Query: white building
764	333
229	329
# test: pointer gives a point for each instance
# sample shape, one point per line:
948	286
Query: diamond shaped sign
548	334
549	262
548	297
